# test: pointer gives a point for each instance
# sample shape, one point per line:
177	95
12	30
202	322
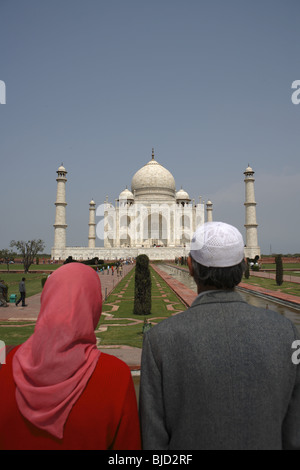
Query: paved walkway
294	299
272	275
186	295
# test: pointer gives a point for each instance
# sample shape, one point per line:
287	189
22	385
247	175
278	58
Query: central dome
153	181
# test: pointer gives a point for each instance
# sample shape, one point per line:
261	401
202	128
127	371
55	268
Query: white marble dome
182	195
153	180
126	195
248	170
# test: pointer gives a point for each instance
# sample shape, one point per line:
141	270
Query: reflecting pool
288	311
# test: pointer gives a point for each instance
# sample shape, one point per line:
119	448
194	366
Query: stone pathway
186	295
272	275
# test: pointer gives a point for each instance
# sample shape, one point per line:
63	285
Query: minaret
252	249
60	225
209	209
92	225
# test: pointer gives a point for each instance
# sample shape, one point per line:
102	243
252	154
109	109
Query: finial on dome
152	153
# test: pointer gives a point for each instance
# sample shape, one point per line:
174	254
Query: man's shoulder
208	310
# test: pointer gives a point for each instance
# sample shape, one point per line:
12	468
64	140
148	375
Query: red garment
104	417
52	368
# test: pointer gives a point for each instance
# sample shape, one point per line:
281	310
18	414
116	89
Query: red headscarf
52	368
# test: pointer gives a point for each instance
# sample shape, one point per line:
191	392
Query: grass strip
270	284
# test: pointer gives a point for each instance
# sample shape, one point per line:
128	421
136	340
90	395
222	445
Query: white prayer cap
217	245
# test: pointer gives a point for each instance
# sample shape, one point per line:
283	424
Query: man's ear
190	265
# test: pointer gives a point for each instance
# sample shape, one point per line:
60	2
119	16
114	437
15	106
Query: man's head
216	258
23	278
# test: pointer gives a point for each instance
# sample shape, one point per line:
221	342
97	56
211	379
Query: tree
279	270
70	260
7	256
142	290
28	250
247	270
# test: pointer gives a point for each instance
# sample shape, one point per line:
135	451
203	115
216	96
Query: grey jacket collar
217	296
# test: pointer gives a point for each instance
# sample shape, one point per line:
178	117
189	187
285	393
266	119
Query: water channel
293	313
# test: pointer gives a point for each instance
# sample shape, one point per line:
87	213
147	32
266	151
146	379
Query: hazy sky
96	84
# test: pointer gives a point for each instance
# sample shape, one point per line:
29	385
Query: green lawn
33	267
14	333
286	287
286	266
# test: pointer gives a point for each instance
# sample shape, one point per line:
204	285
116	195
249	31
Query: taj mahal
152	218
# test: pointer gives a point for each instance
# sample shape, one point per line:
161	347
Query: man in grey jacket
22	290
220	375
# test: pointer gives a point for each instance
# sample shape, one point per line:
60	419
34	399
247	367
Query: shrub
142	290
279	270
70	260
247	271
93	262
255	267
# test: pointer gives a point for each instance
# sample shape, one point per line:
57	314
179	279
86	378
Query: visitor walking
57	390
220	375
22	290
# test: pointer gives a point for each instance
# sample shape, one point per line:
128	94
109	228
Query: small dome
249	169
126	195
182	195
92	203
61	168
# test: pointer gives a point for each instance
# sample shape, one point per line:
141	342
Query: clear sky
96	84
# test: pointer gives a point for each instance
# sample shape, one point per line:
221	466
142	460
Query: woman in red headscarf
57	390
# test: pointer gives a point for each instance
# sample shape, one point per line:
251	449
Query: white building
152	214
152	218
